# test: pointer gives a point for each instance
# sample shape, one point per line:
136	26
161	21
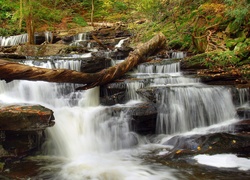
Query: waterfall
182	109
48	36
80	40
120	43
90	141
14	40
159	68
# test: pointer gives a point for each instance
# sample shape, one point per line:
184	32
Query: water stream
88	142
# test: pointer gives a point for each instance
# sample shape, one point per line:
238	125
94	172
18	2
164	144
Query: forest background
217	30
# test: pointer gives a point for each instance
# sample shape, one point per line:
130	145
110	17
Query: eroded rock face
25	118
17	144
21	129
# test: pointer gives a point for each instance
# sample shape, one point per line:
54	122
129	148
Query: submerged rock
242	127
215	143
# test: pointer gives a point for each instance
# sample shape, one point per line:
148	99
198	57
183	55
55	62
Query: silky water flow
89	142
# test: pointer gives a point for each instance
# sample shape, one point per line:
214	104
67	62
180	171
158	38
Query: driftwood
12	71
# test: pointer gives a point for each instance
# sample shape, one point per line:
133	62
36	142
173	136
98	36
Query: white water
90	142
13	40
224	161
79	38
120	43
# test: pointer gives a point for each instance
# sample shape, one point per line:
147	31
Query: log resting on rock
12	71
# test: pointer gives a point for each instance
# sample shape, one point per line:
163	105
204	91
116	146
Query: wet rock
110	32
94	64
8	49
17	144
40	50
12	56
144	118
25	118
242	126
243	112
121	53
216	143
118	98
21	129
218	79
241	97
113	93
149	93
73	50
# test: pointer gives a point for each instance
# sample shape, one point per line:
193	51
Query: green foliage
80	21
238	10
120	6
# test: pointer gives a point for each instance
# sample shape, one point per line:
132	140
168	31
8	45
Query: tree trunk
10	70
29	24
92	13
21	14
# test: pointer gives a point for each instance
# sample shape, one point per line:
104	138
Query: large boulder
21	129
25	118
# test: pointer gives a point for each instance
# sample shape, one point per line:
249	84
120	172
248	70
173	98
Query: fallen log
14	71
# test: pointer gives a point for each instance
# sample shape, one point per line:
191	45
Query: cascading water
13	40
184	103
90	141
80	39
184	108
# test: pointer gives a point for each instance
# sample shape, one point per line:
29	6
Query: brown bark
10	70
92	13
29	23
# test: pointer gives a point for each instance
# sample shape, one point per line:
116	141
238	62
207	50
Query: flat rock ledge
22	130
25	118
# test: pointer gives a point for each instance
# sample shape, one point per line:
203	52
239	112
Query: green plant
79	20
238	10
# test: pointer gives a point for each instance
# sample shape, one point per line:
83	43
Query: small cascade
184	108
120	43
48	36
183	102
132	86
56	64
163	81
14	40
43	92
80	40
149	68
243	96
178	55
